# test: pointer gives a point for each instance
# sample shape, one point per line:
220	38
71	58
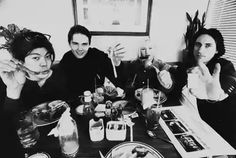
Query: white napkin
62	120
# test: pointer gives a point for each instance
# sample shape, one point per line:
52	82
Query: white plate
138	93
129	146
48	112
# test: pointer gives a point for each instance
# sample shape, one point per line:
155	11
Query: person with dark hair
216	76
27	79
28	76
85	66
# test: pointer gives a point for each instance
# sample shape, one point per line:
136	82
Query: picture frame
114	17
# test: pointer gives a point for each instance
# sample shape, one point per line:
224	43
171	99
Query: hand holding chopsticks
116	54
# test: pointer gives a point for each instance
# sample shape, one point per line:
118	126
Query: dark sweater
219	115
83	73
135	71
32	95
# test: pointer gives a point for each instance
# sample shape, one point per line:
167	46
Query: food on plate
139	92
189	143
110	91
140	150
167	115
176	127
49	111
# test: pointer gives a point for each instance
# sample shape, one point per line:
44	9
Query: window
221	14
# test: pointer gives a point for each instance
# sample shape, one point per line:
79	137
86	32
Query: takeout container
116	131
96	130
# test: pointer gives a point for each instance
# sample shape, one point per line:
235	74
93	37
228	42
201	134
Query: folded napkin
65	117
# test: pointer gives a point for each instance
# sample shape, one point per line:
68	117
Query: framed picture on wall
114	17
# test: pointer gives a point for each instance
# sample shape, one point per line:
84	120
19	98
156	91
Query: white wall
169	23
55	17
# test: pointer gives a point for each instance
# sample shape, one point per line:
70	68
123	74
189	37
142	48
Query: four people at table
30	79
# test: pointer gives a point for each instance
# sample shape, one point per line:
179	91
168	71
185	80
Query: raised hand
12	77
165	79
116	53
211	87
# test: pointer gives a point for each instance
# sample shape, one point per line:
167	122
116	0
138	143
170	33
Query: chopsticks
25	69
111	52
101	155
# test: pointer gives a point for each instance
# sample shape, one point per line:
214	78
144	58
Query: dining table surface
87	148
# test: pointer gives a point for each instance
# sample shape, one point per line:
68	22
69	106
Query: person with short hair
28	79
85	66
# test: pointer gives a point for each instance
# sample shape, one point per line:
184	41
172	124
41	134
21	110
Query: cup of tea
27	130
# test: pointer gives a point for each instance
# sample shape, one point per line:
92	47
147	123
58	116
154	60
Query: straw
112	62
147	83
159	98
132	84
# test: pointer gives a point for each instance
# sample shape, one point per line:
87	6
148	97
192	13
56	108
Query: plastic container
116	131
96	130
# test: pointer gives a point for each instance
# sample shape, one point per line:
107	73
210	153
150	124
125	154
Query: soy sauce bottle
89	105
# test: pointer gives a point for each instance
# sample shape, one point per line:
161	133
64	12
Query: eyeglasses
30	37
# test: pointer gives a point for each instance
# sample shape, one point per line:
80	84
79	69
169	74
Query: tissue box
116	131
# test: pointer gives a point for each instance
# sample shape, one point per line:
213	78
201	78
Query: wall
55	17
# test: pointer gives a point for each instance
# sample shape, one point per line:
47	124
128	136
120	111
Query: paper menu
191	136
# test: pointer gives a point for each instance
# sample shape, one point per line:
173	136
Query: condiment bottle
108	108
88	104
68	135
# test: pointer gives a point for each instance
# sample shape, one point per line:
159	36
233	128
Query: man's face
204	48
79	45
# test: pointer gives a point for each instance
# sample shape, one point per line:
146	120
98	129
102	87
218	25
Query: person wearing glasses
214	83
86	67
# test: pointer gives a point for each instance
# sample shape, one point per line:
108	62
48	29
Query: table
87	148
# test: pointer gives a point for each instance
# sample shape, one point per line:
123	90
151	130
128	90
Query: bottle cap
87	93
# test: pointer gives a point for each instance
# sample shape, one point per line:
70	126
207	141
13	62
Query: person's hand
210	87
165	79
13	78
116	53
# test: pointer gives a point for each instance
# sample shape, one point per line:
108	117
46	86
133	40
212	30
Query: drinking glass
152	116
27	130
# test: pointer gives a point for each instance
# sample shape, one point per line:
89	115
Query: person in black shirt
216	91
85	66
27	79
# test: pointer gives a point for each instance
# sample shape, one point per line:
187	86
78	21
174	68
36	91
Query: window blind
221	14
